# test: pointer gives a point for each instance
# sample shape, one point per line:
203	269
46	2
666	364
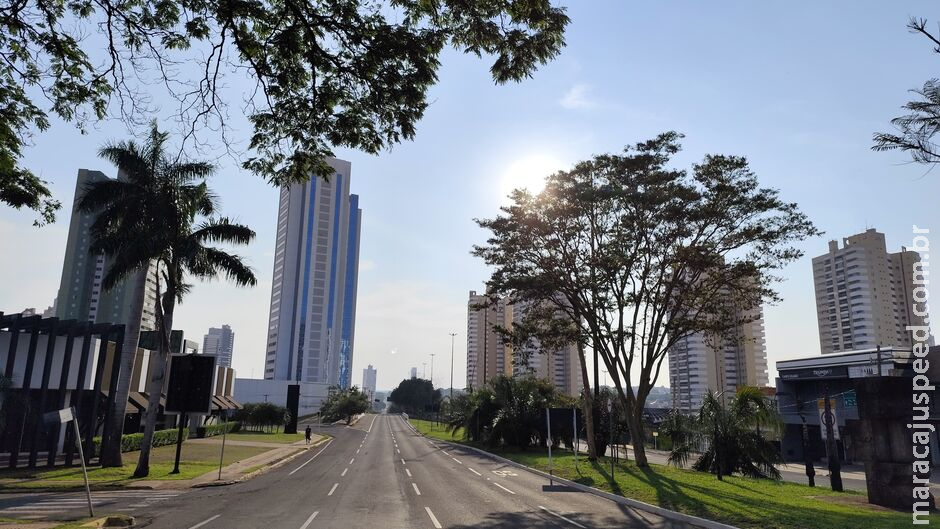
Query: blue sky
798	88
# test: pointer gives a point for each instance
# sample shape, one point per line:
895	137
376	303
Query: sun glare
529	173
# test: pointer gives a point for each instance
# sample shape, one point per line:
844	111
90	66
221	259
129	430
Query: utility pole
835	466
452	335
432	370
486	339
807	460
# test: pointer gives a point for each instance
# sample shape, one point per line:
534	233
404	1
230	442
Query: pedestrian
307	433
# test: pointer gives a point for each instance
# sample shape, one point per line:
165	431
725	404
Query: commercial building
368	383
863	294
700	363
488	356
312	319
413	373
219	342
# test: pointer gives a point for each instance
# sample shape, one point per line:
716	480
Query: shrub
132	442
212	430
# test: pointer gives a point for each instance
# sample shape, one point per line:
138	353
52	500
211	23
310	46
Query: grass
195	460
742	502
80	524
437	430
279	437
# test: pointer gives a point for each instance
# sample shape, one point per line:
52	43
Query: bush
132	442
212	430
264	416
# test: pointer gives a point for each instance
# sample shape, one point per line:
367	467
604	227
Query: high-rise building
488	356
700	363
368	383
81	295
219	342
316	269
863	294
414	372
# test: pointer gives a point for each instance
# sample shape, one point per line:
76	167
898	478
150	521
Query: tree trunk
164	312
588	401
635	423
110	455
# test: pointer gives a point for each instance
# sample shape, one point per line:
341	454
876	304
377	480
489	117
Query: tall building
368	383
700	363
488	357
863	294
316	269
81	295
414	372
221	343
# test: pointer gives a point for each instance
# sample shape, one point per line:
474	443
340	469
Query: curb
694	521
277	463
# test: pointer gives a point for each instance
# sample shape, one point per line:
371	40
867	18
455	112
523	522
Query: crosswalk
41	506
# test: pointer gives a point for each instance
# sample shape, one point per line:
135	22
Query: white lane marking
408	472
345	470
397	450
204	522
504	488
333	489
437	524
572	522
374	417
418	492
351	460
311	459
457	460
357	450
402	461
474	471
309	520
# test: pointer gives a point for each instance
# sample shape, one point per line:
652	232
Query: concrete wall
248	390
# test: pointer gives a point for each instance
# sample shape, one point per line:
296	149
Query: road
380	473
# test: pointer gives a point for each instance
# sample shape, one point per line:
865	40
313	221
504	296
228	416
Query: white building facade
221	343
368	383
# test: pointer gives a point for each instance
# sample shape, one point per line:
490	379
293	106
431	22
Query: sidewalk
239	470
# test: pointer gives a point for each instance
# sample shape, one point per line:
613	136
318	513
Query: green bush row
132	442
212	430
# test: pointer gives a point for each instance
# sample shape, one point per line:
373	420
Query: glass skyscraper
312	322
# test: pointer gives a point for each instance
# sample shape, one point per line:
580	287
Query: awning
162	399
219	404
138	399
128	408
233	402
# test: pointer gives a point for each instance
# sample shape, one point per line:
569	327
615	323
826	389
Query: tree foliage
731	437
325	74
415	396
914	132
641	255
265	416
344	404
159	217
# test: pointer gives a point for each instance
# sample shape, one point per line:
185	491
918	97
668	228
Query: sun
529	172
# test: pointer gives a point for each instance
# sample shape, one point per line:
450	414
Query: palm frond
223	230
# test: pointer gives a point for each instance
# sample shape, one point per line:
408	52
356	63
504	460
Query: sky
796	87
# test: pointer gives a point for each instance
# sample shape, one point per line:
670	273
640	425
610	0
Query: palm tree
160	216
730	436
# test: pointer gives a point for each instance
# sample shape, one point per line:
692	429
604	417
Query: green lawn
742	502
279	437
196	459
436	430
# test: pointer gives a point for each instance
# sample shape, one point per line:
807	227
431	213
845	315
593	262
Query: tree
344	404
415	395
732	434
160	215
640	255
915	131
325	74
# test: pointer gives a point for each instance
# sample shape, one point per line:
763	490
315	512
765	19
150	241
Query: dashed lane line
309	520
474	471
418	492
437	524
333	489
345	470
504	488
204	522
408	472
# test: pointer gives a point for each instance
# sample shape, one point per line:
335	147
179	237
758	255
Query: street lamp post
452	335
432	370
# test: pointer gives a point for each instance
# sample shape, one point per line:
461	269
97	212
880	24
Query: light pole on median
452	335
432	370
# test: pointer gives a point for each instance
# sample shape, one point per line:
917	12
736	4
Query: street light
452	335
432	370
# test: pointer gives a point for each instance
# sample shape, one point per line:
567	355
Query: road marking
418	492
457	460
309	520
504	473
311	459
504	488
397	450
374	417
402	461
333	489
572	522
357	450
408	472
474	471
345	470
437	524
204	522
351	460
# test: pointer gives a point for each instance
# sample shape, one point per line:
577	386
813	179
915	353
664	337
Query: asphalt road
381	474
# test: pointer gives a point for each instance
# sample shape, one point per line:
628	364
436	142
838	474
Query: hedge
132	442
217	429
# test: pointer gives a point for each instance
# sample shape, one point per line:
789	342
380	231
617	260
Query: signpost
189	390
548	422
64	416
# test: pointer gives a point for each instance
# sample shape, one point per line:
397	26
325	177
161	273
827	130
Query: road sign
190	386
828	419
850	399
59	416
